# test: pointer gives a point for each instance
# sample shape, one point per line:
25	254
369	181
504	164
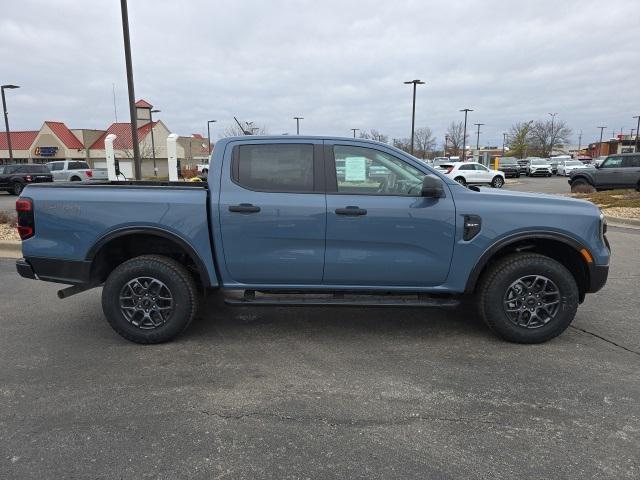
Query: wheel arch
562	248
122	244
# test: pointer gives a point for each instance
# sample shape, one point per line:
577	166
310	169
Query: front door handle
351	210
244	208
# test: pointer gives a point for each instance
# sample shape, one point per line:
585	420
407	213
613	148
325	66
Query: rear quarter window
78	166
274	168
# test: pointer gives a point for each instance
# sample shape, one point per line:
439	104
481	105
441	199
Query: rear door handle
351	210
244	208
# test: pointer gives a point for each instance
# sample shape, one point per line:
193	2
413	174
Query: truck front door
380	230
273	212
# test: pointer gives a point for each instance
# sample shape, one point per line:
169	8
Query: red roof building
19	140
123	133
65	135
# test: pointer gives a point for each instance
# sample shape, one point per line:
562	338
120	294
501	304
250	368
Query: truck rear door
273	212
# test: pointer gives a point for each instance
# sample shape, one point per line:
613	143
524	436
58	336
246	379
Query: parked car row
13	178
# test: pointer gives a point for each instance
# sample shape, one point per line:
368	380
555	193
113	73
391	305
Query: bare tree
402	143
374	134
519	139
425	142
234	130
456	134
547	133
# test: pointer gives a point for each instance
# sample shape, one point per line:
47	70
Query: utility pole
209	122
6	117
297	119
354	131
553	134
464	135
580	141
132	95
153	143
600	144
478	137
413	114
637	133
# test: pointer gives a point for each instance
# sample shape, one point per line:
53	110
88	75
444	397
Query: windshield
538	162
573	162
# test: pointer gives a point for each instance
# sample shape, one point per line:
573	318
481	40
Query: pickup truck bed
284	217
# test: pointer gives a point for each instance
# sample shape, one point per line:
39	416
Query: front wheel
528	298
497	182
149	299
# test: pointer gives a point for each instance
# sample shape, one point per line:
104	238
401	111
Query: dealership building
56	141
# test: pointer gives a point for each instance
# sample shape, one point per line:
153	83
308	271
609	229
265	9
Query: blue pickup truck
314	221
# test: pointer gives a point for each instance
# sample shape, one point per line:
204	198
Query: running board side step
250	297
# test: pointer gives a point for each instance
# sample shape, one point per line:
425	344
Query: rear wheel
497	182
461	181
149	299
75	179
528	298
17	188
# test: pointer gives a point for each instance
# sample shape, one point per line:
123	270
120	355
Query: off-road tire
496	281
176	278
580	183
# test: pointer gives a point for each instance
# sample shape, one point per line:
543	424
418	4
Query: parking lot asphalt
319	392
7	202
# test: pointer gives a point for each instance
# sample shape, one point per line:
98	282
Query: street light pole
209	122
446	141
6	117
553	117
132	95
354	131
153	143
478	137
504	141
464	135
637	134
413	114
297	119
600	144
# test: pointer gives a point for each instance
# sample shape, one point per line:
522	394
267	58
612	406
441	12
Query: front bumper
540	172
598	275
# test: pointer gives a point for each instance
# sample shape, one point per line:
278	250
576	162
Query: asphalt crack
611	342
356	423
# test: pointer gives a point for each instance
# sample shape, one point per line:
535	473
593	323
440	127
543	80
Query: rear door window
274	168
632	161
78	166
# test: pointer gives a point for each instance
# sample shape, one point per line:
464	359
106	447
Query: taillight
89	173
449	169
27	178
26	224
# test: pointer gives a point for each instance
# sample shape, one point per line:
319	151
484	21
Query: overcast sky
339	64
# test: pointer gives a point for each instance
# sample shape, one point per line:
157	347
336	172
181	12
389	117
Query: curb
10	249
622	221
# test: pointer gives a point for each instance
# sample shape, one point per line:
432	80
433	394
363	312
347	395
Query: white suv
539	166
473	173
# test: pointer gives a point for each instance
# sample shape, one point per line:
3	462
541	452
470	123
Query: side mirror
432	187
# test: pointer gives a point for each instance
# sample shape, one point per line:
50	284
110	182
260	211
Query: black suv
616	171
509	166
13	178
